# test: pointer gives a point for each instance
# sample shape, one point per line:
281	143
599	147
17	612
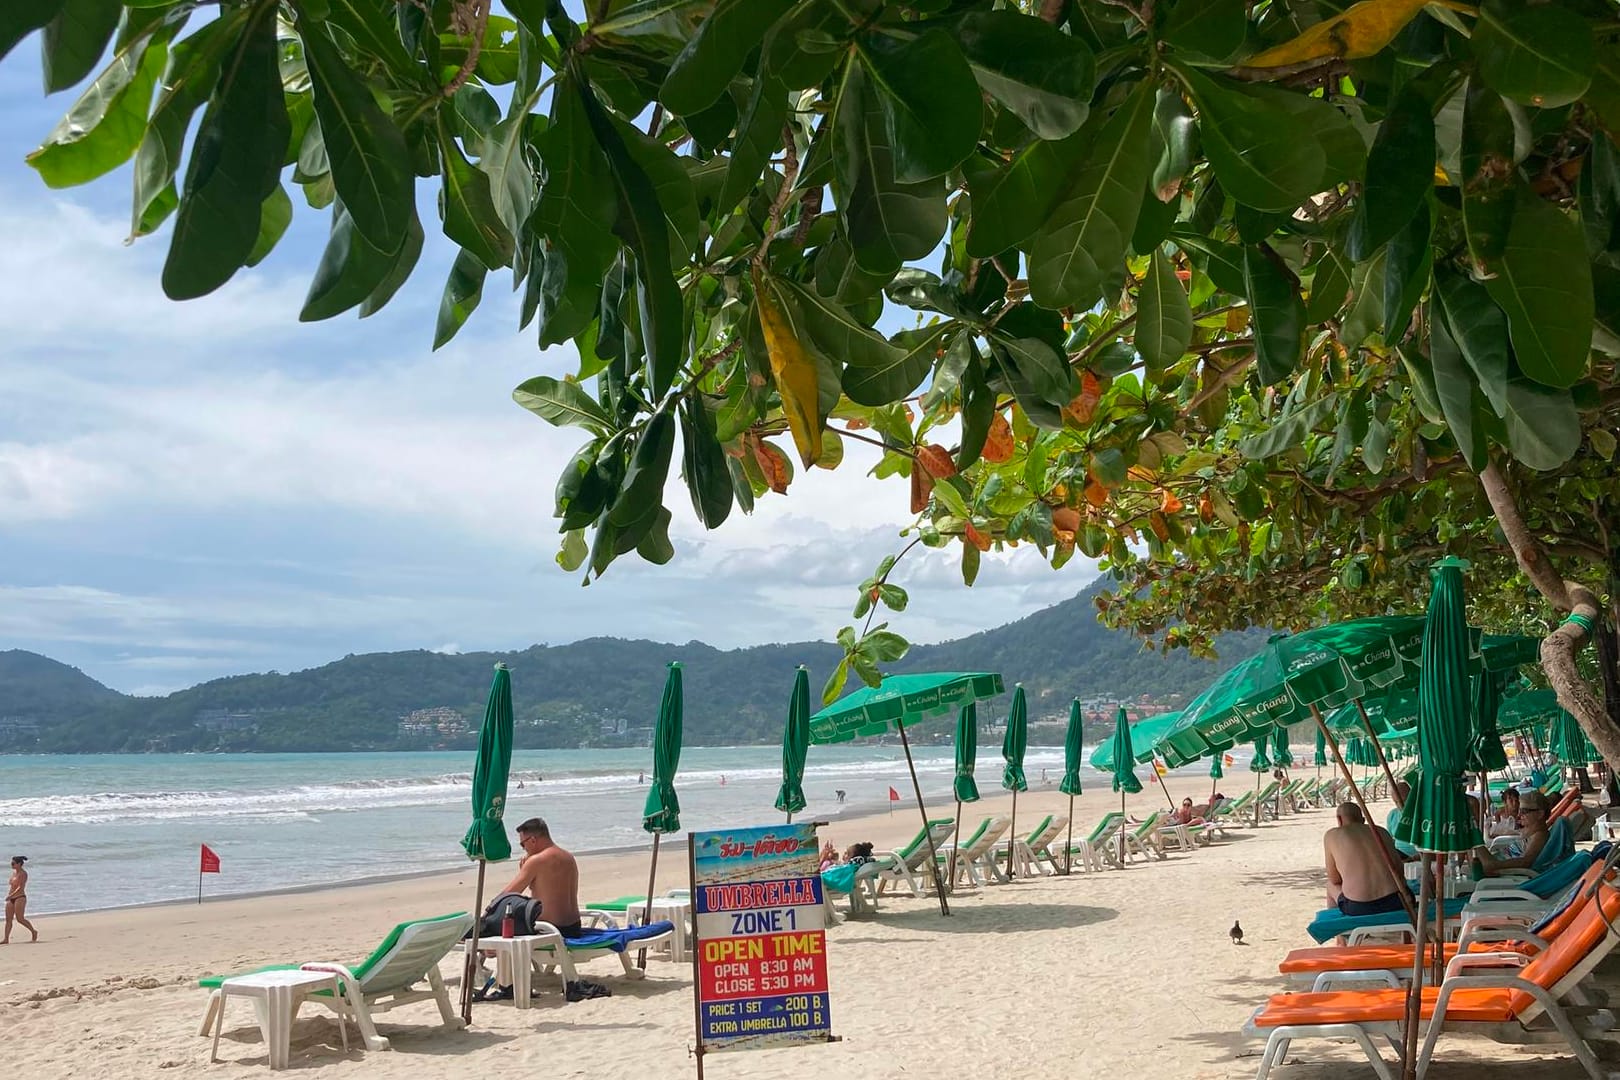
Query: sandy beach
1122	973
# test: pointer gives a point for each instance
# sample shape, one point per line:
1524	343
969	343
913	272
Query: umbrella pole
1378	748
928	834
1121	832
1257	803
652	876
1167	796
956	845
1068	845
471	966
1012	835
1355	793
1414	996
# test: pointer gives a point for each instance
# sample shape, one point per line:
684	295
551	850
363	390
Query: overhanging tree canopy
1184	277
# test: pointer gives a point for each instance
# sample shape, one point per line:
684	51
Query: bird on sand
1237	933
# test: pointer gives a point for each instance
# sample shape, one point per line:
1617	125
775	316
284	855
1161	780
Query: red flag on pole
210	861
894	796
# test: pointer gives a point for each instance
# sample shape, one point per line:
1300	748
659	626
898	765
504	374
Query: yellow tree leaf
794	370
1359	31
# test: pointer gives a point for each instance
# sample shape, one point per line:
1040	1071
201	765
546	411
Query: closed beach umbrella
1259	764
1319	758
1435	816
1013	744
662	813
966	788
486	840
1215	773
1281	755
1073	746
1568	742
795	746
1124	778
1486	754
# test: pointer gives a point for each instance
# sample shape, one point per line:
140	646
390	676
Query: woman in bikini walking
17	899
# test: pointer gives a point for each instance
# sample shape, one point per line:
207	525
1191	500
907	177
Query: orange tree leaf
1096	494
1084	406
1066	519
922	486
998	444
975	537
936	460
1170	503
774	464
1160	527
794	369
1355	33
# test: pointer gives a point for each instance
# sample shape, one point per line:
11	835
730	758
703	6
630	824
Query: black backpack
524	911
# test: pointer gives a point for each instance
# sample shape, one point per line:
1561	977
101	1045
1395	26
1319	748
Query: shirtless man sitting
550	875
1358	874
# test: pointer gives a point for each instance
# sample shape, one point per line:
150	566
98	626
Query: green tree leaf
703	464
758	132
1459	394
716	52
1212	28
371	166
1480	330
643	228
75	37
468	207
235	160
1487	159
1535	54
1400	174
1544	285
275	214
929	102
978	405
352	271
639	498
1088	234
1289	430
1011	203
17	21
1406	272
1263	146
1164	323
886	222
562	403
107	123
1329	288
462	294
1278	315
1543	426
1042	75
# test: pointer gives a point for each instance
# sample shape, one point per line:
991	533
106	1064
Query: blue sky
202	489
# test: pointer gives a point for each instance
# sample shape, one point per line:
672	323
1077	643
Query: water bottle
508	926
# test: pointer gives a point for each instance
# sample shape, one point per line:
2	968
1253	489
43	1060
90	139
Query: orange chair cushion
1382	1006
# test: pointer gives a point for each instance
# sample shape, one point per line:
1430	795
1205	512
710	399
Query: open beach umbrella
486	840
898	702
1072	748
1435	817
1125	781
662	812
1013	744
1147	736
966	788
795	746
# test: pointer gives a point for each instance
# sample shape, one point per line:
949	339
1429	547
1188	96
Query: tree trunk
1577	601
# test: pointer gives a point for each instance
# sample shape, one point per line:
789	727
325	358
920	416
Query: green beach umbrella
1525	710
1013	744
795	746
1147	737
966	788
1485	753
967	749
1436	816
1320	757
486	840
895	704
1124	779
1215	773
1073	746
662	812
1261	761
1281	755
1568	742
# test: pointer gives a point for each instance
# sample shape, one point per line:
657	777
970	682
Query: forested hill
599	691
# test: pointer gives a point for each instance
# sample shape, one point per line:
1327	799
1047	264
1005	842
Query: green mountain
595	692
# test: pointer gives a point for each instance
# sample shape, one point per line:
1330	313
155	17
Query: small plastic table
674	908
276	996
514	963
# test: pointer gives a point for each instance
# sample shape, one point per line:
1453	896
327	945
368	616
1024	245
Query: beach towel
1560	845
619	940
840	879
1331	923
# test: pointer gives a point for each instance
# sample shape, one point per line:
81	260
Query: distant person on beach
641	778
550	875
840	793
17	899
1358	874
722	779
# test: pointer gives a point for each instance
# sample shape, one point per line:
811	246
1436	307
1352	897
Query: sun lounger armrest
1464	962
1506	892
1330	980
346	977
1359	934
1517	934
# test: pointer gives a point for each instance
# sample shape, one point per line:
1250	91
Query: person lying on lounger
1187	815
1359	879
1532	837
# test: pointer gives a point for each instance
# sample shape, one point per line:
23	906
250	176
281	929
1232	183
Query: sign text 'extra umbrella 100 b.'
894	705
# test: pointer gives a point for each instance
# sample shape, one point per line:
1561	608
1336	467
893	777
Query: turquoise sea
112	830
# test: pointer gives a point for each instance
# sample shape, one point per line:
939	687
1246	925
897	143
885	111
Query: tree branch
1559	648
469	17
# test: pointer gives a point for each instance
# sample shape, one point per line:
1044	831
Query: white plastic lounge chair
391	976
1098	846
557	953
977	861
908	865
1041	854
1026	849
